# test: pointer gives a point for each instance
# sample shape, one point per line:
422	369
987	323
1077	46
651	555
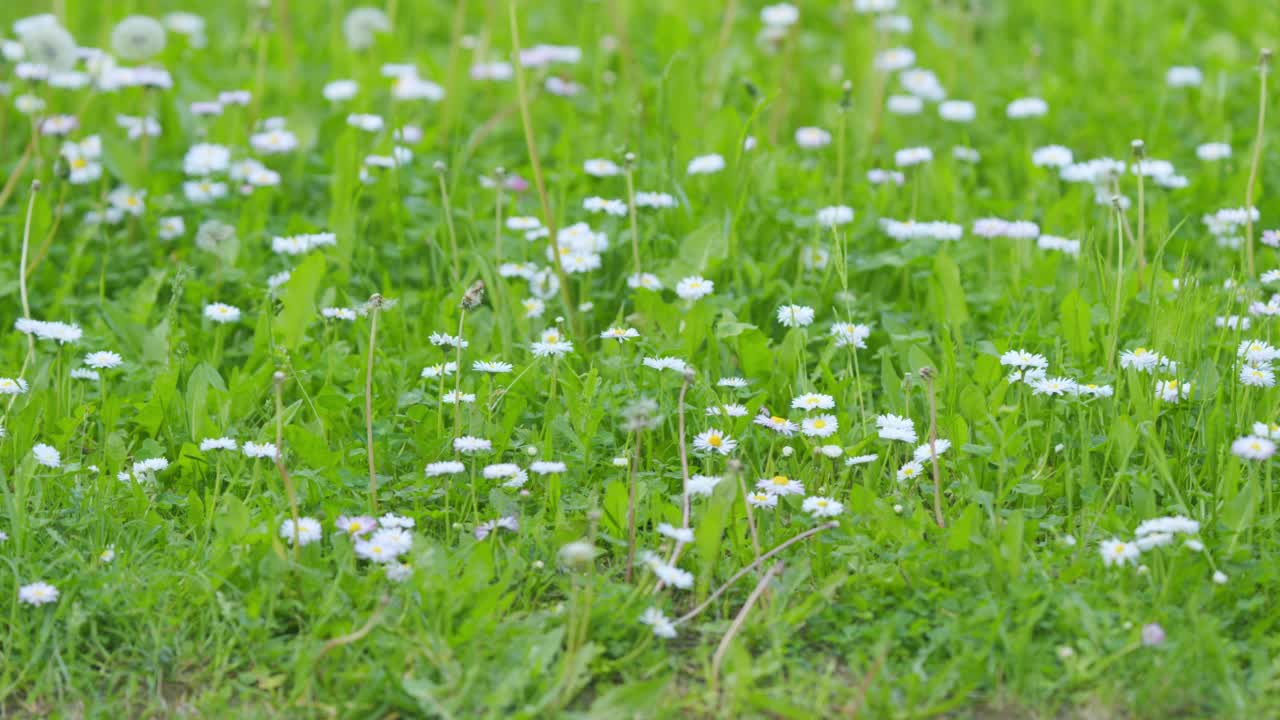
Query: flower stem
1264	65
547	218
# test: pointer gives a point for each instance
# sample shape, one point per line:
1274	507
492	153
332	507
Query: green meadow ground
206	611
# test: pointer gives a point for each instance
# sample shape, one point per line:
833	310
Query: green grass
206	611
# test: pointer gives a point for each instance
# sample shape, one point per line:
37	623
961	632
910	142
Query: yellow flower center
79	163
819	424
715	441
776	420
780	480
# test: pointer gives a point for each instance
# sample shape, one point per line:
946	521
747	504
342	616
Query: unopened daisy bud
734	466
439	166
278	376
1264	59
926	373
531	451
629	159
473	296
846	95
538	564
897	509
1066	652
594	514
788	451
753	92
1139	148
500	173
689	374
35	186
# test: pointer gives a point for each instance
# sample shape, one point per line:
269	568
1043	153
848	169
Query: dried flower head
361	24
474	295
49	44
137	38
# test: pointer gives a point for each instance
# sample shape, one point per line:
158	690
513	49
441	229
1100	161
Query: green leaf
1074	317
950	298
300	300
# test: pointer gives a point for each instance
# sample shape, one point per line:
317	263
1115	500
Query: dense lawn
714	360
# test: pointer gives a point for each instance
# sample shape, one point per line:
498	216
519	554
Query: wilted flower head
474	295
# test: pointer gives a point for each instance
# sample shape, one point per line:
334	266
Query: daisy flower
620	334
222	313
495	367
259	450
795	315
46	456
822	507
910	471
469	445
37	593
694	288
896	427
780	485
103	360
782	426
659	623
923	453
308	531
706	164
762	500
813	401
1118	552
683	535
714	441
703	485
356	526
820	426
1252	447
445	467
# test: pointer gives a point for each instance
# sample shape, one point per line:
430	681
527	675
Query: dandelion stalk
289	492
927	374
1264	66
548	219
22	268
744	571
1139	152
375	304
716	659
1115	310
631	508
629	163
846	101
12	182
471	299
684	453
501	177
448	220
